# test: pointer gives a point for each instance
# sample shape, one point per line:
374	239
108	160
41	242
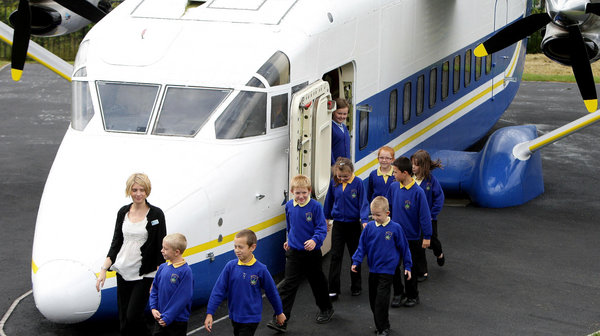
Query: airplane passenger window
406	102
420	93
126	107
393	117
432	87
82	109
185	110
445	79
246	116
279	111
488	64
276	70
363	129
456	75
467	67
477	68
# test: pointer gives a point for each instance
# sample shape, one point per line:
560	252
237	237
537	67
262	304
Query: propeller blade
512	33
593	8
83	8
21	34
582	69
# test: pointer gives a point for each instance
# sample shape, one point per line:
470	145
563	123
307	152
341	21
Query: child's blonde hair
141	179
300	181
176	241
342	164
380	203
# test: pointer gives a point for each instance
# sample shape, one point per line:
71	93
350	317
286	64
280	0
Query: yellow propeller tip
480	51
591	105
16	74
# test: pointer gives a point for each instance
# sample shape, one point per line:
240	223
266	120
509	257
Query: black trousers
298	265
410	288
343	234
132	298
436	246
176	328
244	329
380	286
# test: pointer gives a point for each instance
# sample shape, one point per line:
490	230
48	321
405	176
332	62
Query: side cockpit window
246	116
276	70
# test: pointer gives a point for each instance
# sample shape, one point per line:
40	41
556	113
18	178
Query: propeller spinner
567	14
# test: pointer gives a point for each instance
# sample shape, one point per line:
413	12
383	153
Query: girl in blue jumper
422	165
345	203
381	178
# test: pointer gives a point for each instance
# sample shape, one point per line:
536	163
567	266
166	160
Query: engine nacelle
557	47
51	19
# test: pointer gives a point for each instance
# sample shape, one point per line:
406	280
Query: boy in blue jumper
172	289
409	208
241	282
306	230
385	245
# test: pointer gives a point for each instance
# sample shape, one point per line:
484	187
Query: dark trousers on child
436	246
418	254
132	298
244	329
344	234
176	328
380	286
298	265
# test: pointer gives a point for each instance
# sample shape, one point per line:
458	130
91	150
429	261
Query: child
385	245
409	208
241	282
340	137
422	167
306	230
345	203
172	289
381	178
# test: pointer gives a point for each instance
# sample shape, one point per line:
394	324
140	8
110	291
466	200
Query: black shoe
324	316
398	301
279	328
441	260
384	332
356	292
411	302
333	297
422	278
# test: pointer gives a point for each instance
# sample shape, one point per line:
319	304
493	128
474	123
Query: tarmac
526	270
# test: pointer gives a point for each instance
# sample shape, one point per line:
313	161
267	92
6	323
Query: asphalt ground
526	270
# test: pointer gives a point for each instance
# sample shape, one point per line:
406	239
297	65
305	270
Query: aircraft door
500	20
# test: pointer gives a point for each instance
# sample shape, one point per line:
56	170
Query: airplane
220	102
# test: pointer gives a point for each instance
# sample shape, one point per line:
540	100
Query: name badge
154	222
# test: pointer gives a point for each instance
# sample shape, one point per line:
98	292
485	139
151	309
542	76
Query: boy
408	206
241	282
172	289
384	243
306	230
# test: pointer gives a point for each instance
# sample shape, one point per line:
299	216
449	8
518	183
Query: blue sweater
384	246
241	285
172	292
409	208
434	195
340	142
377	186
304	223
349	204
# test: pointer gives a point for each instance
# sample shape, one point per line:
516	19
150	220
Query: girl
381	178
345	203
422	167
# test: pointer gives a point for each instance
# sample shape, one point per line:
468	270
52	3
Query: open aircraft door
310	139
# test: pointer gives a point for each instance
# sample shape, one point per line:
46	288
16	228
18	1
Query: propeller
567	18
22	29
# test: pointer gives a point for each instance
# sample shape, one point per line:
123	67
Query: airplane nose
65	291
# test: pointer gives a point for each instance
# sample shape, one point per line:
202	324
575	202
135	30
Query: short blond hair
380	203
300	181
176	241
141	179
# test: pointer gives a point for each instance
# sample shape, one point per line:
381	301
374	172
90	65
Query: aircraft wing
40	54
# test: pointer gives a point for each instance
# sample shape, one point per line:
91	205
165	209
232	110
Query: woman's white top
129	258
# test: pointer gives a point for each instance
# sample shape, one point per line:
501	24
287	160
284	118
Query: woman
135	254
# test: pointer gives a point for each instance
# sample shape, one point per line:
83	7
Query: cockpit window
246	116
185	110
126	107
276	70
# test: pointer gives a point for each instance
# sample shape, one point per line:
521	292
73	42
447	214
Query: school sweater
241	284
347	204
172	292
384	246
340	142
304	222
409	208
434	195
377	185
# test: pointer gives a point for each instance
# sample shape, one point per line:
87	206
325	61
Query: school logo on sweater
253	279
309	216
428	187
174	278
407	204
388	235
354	193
